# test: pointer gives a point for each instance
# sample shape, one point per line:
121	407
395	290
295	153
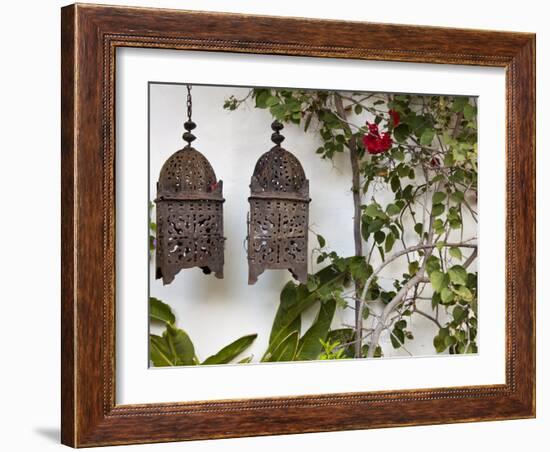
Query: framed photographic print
281	225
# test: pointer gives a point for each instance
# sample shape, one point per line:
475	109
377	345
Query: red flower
376	143
395	118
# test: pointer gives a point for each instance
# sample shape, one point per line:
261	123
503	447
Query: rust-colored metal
279	212
189	213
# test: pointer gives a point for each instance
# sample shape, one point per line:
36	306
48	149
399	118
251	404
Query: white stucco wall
215	312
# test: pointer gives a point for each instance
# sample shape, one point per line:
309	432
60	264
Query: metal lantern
279	211
189	212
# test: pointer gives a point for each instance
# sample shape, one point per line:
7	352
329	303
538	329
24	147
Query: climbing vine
413	162
422	152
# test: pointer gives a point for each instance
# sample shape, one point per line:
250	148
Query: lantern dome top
187	170
278	170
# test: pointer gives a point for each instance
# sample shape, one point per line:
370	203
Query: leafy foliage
231	351
175	348
423	151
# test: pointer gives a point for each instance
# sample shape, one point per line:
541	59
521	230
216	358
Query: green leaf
231	351
359	268
459	103
438	209
365	351
374	211
455	224
375	225
261	97
464	293
427	137
455	252
379	237
343	336
439	340
310	346
408	192
469	111
358	109
403	170
278	111
286	351
395	184
436	299
173	348
400	324
449	160
392	209
449	341
160	311
365	228
271	100
414	266
390	240
366	312
459	314
311	283
439	226
433	264
321	240
295	299
307	121
459	154
439	344
401	132
457	196
419	228
159	353
447	295
398	155
458	275
397	337
180	344
439	280
438	197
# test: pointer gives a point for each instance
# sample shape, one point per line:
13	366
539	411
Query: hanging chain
189	124
189	103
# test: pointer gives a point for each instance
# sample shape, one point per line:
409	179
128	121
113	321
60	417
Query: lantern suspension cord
189	125
189	103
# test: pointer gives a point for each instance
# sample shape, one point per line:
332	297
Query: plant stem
354	159
356	190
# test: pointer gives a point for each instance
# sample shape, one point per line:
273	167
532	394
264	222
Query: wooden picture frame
90	36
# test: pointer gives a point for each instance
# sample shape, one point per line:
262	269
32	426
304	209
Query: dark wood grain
67	225
90	36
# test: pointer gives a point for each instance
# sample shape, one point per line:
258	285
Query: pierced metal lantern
189	212
279	212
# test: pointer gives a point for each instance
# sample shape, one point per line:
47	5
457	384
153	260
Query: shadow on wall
50	433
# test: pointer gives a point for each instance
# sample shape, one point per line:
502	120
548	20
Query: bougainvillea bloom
395	118
375	142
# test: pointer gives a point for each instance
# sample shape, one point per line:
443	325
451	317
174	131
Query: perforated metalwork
279	211
189	216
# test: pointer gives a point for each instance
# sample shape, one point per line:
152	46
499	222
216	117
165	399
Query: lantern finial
276	137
